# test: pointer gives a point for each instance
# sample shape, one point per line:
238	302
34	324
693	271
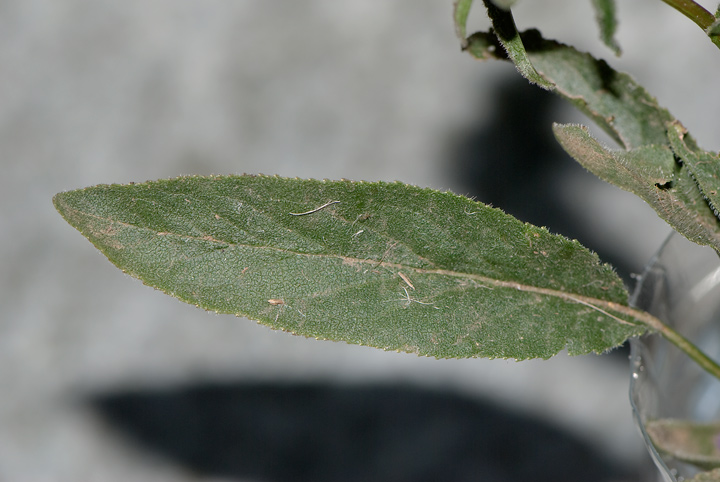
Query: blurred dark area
325	432
513	162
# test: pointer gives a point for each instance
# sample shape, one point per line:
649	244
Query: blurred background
103	379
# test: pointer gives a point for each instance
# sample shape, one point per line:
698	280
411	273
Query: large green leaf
652	173
381	264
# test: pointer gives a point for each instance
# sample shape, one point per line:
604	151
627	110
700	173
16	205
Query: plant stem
707	363
693	11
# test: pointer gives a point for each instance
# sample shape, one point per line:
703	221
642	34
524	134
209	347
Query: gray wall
100	91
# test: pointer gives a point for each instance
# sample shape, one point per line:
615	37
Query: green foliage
386	265
507	34
684	193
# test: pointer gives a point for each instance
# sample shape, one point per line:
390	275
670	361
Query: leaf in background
460	16
712	476
381	264
504	4
607	21
618	104
508	35
651	173
691	442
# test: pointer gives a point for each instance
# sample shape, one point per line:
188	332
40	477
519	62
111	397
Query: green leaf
652	173
509	37
618	104
381	264
691	442
606	19
704	167
460	16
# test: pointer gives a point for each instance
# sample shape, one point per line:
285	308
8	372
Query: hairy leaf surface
651	173
507	34
704	167
382	264
618	104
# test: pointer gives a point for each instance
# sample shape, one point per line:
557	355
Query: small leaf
606	19
508	35
380	264
703	166
618	104
460	16
691	442
651	173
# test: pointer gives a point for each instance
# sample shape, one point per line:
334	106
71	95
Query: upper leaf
618	104
386	265
711	476
651	173
606	18
507	33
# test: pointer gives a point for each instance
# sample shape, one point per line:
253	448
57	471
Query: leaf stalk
693	11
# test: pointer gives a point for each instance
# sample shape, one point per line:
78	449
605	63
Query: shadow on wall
323	433
512	161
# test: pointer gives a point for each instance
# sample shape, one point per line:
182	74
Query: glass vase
681	286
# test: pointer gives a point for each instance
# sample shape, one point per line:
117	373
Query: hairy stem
693	11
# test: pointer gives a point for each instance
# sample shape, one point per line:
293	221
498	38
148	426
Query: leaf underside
381	264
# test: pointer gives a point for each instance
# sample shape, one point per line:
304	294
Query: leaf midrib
600	305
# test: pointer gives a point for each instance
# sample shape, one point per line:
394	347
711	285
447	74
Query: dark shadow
323	433
513	162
